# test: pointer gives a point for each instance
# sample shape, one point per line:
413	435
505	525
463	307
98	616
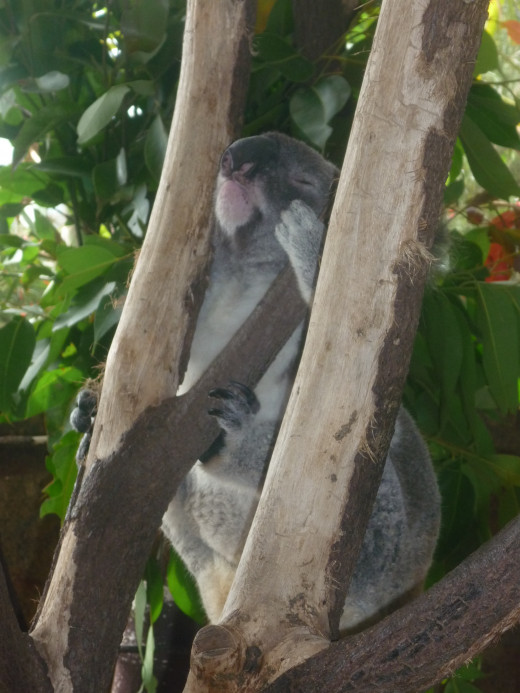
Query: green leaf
456	685
45	351
154	588
143	25
507	467
23	182
84	305
143	87
84	264
184	590
149	680
280	20
106	317
140	602
62	465
479	237
485	163
68	166
109	176
17	340
53	389
312	108
35	128
498	326
99	114
155	147
468	386
444	340
496	118
275	51
487	58
43	227
456	162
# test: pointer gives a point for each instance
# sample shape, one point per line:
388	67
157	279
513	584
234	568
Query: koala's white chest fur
227	304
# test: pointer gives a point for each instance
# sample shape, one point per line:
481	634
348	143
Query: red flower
499	263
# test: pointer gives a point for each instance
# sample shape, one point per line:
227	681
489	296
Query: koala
272	193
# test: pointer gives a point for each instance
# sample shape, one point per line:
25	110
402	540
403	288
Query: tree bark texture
95	575
21	669
291	582
428	639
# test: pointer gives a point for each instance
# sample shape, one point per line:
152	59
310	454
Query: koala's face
259	177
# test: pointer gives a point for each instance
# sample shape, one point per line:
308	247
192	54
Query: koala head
260	176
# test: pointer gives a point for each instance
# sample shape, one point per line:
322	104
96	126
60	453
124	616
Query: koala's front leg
300	234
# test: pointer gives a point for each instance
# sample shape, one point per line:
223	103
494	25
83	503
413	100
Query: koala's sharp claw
221	393
227	419
238	403
249	395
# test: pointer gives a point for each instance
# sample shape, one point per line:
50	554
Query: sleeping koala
271	194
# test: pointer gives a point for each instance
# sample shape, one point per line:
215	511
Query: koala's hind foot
237	406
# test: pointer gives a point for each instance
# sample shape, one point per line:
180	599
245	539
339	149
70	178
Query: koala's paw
82	419
237	404
84	412
300	234
299	229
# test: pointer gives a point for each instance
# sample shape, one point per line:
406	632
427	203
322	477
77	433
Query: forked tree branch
428	639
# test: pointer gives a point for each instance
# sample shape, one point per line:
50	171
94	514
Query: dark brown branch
21	668
431	637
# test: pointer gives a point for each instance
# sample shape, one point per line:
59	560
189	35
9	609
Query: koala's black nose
259	152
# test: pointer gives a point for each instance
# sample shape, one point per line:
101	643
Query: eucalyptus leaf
83	264
52	389
35	128
99	114
140	602
155	147
81	309
487	58
498	326
154	588
149	680
106	317
17	341
312	108
486	165
495	117
183	589
62	465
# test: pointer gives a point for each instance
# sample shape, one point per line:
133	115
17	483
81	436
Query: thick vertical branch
80	618
322	479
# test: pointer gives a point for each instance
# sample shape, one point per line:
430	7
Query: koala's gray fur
271	192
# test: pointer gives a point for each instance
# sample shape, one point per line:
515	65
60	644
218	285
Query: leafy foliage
86	98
